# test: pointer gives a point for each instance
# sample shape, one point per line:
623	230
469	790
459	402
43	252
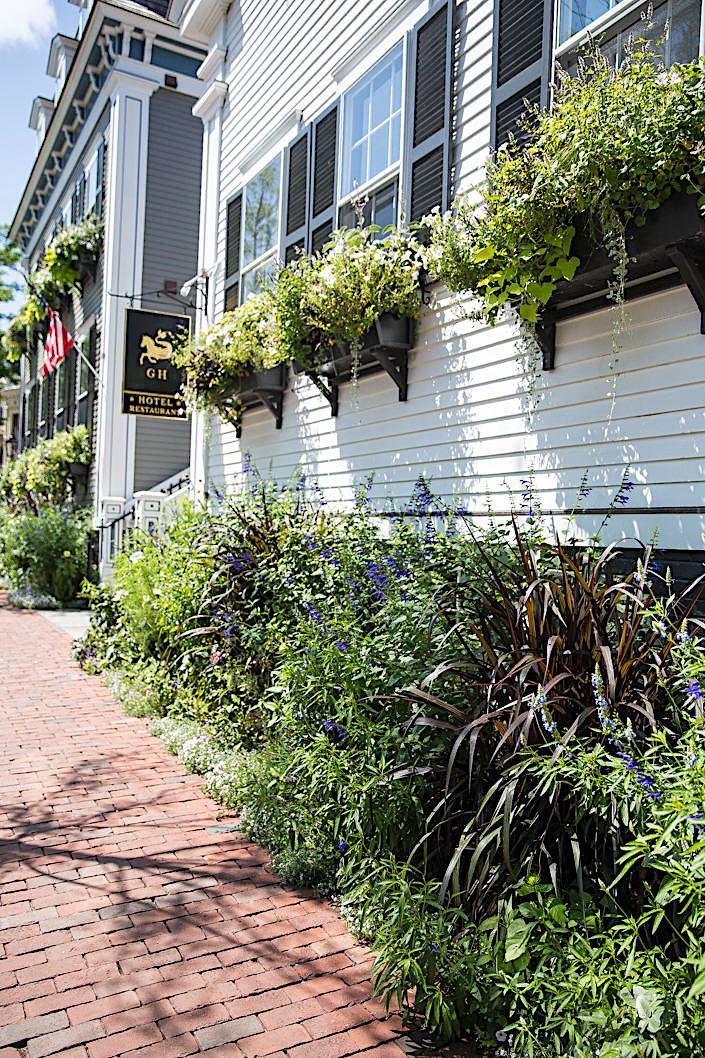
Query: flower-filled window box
667	249
599	201
346	313
383	348
258	389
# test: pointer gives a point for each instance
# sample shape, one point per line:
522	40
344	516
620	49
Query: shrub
45	552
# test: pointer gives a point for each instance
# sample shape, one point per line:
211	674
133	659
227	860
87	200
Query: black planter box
259	389
667	250
384	347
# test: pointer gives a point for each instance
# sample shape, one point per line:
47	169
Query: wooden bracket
546	337
396	371
329	392
692	273
274	400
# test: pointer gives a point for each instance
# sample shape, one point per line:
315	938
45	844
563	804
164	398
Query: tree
9	255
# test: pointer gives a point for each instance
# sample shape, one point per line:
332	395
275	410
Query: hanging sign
152	382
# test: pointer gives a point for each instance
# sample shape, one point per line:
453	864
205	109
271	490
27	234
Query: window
385	141
91	183
380	207
681	43
372	116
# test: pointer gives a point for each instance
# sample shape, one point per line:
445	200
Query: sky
26	30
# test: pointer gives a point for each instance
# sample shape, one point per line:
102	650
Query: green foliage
309	307
45	552
60	271
490	749
616	143
41	475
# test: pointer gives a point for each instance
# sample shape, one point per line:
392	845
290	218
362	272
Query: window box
258	389
667	250
384	347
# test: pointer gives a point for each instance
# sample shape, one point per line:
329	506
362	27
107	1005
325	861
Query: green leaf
529	311
567	267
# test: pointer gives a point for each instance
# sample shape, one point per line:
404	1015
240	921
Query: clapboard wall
467	425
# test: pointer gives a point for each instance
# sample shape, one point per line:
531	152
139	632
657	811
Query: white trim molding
211	100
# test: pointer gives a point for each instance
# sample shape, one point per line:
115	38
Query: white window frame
273	254
605	22
378	181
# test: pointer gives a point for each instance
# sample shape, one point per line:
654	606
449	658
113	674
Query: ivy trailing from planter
73	251
616	144
314	311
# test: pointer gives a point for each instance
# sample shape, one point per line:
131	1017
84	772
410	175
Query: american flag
57	345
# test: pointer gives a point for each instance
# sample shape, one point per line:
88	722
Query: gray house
118	142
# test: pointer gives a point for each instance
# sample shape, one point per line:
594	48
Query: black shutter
429	113
296	173
81	193
324	155
523	35
233	231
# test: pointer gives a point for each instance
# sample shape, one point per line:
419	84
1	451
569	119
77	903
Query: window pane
380	207
574	15
358	165
254	280
372	123
360	114
379	149
684	33
381	101
262	212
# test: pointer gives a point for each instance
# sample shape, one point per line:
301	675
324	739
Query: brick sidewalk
131	922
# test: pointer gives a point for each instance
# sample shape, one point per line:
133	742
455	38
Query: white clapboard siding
466	426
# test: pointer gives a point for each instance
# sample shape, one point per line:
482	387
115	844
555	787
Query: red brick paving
131	921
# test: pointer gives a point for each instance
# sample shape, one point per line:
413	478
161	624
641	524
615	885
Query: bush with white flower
228	780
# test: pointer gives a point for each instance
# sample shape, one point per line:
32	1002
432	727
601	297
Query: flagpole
76	344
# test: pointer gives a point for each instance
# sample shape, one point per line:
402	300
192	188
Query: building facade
400	103
117	142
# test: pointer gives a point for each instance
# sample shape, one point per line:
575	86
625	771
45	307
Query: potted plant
610	179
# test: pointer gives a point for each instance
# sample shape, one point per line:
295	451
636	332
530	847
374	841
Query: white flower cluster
227	781
200	754
173	731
